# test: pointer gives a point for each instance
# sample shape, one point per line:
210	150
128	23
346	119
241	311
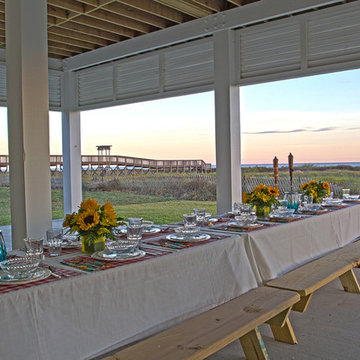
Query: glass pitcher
2	247
293	199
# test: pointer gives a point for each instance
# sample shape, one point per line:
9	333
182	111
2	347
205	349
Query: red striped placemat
6	288
178	245
89	264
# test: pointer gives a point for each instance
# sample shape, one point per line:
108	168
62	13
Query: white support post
227	122
28	118
71	143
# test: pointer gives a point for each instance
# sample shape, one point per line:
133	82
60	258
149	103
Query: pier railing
128	163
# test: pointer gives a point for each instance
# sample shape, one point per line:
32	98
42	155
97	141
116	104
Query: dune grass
159	209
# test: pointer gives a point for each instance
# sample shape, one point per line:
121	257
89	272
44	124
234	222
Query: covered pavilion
75	55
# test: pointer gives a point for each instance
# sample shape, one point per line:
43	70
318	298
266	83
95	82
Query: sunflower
273	191
87	220
90	205
245	197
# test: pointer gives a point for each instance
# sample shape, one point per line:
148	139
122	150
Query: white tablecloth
278	249
78	318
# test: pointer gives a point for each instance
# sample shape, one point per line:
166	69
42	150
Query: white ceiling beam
237	17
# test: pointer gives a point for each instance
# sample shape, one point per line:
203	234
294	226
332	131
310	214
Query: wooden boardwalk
128	163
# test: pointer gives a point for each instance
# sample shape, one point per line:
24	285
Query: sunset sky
316	118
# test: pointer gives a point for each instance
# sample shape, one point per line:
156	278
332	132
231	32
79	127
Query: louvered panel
55	88
272	48
189	66
3	93
334	38
137	77
95	85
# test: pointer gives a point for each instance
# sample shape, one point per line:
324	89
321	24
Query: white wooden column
227	123
71	144
28	118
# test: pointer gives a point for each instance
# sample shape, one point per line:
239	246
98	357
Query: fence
249	182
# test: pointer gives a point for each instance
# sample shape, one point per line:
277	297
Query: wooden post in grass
276	171
291	170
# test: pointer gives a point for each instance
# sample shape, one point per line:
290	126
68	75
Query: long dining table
97	306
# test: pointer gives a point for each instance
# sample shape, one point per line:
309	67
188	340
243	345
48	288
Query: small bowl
284	212
122	246
188	231
147	225
20	268
246	218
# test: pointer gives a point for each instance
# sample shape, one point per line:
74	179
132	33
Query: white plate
109	256
292	216
152	230
212	220
39	274
195	238
242	226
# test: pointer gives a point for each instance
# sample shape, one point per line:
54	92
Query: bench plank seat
310	277
204	334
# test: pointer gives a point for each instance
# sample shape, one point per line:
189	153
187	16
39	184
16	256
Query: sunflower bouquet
93	222
262	196
317	189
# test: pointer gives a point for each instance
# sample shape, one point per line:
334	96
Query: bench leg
302	305
281	327
253	346
349	282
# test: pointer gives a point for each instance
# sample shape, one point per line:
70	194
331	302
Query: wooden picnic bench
308	278
205	334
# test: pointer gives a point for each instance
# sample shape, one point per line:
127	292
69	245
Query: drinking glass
346	193
54	240
237	208
189	220
34	247
135	221
200	216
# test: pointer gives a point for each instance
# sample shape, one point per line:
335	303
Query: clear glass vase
262	211
89	244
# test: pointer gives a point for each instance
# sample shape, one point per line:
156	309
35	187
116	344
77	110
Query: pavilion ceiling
78	26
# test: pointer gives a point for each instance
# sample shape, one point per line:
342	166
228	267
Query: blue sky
316	118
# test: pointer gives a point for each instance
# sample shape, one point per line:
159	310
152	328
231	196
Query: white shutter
95	85
3	93
272	48
334	36
55	89
137	76
189	65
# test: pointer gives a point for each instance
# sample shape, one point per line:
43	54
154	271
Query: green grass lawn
161	210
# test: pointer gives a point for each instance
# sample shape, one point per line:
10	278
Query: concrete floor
328	330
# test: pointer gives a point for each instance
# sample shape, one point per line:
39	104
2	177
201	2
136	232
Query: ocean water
300	164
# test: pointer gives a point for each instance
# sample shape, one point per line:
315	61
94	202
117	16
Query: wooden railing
116	162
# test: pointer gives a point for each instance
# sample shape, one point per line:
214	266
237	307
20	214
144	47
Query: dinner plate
243	226
39	274
194	238
152	230
292	216
110	256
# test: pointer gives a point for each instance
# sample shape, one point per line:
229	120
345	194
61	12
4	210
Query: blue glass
2	247
293	200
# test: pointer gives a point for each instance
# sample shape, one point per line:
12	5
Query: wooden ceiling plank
61	52
92	31
71	41
103	25
60	45
214	5
70	5
121	21
79	36
138	15
156	9
57	12
186	7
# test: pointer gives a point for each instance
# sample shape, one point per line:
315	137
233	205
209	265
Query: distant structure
103	150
